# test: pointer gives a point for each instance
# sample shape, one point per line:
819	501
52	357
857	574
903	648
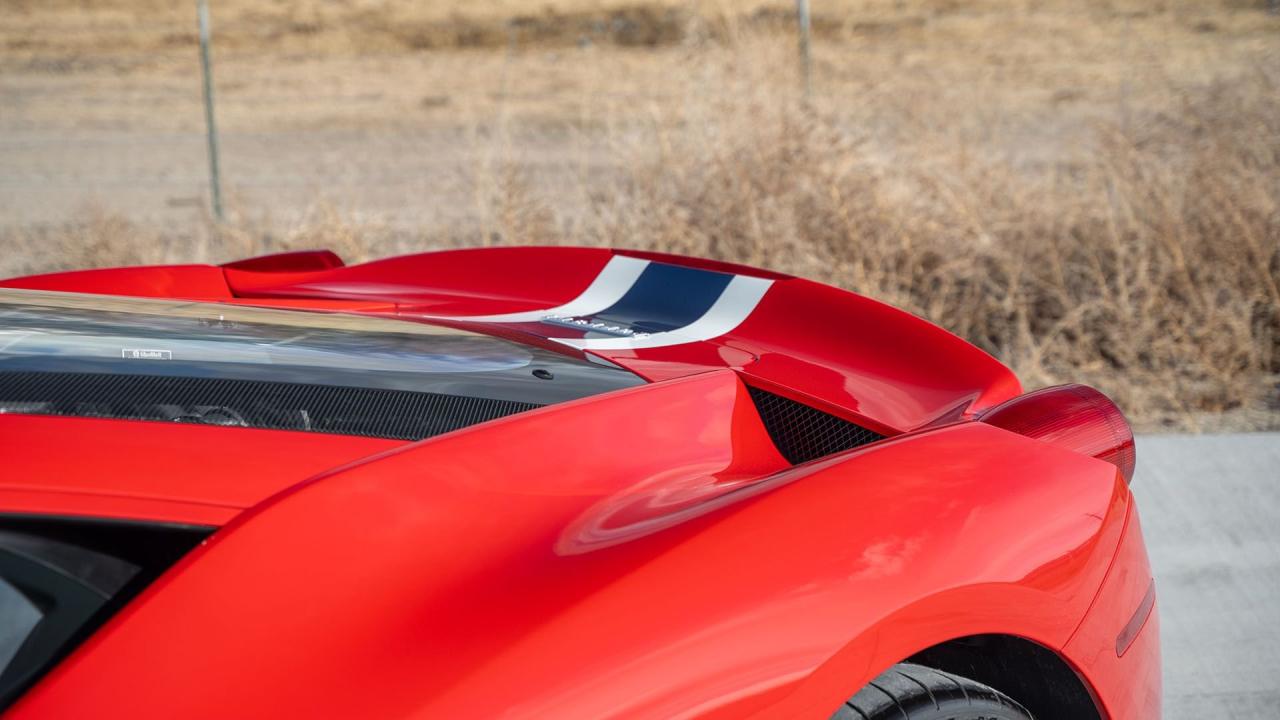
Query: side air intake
803	433
371	412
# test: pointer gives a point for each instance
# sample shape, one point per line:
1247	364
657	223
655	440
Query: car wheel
915	692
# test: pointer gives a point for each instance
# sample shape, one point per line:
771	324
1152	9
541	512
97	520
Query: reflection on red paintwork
655	504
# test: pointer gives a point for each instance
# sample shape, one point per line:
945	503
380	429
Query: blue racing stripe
666	297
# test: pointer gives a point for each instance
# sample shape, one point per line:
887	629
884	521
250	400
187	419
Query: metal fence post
211	128
802	15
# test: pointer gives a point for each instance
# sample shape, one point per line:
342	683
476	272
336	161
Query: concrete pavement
1210	508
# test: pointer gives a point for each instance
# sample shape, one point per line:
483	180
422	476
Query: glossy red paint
1127	684
298	261
158	471
538	568
643	554
193	282
886	366
455	282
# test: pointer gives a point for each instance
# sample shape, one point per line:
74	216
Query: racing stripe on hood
733	305
665	298
634	304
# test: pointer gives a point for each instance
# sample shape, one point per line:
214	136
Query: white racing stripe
734	305
614	280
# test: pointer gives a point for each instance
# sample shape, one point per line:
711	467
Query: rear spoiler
660	316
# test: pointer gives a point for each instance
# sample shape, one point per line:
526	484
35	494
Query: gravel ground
1210	513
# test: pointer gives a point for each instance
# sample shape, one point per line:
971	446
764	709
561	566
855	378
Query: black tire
915	692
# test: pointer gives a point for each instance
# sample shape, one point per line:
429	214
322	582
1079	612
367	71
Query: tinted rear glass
18	617
101	356
61	578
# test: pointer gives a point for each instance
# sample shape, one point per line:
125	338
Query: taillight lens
1076	417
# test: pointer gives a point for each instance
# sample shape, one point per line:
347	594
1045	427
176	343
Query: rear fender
559	563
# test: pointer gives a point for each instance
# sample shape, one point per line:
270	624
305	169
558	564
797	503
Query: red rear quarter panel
1118	645
166	472
645	555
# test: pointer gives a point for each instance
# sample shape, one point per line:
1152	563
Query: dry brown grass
67	30
1140	253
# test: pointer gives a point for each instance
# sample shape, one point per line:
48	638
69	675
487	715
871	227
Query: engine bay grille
803	433
369	412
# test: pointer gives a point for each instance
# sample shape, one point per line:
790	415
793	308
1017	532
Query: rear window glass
99	356
18	617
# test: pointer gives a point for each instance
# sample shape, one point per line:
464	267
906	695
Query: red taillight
1071	416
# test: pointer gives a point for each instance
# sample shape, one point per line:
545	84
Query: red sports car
567	483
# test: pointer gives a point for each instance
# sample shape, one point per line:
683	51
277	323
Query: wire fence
196	129
96	111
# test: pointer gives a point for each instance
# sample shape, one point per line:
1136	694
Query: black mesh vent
396	414
803	433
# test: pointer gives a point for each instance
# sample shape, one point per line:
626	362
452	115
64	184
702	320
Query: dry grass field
1089	190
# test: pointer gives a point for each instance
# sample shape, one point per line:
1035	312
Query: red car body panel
1126	679
449	585
191	282
164	472
642	554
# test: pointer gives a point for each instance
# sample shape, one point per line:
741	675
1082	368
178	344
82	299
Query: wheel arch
1002	635
1038	677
